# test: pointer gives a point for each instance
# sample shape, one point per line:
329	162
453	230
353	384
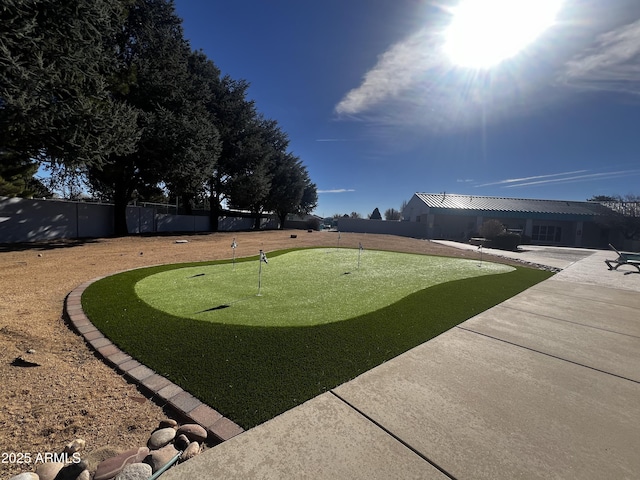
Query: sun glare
484	33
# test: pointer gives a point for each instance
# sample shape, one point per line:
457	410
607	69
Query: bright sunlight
484	33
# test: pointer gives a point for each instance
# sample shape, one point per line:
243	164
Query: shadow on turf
219	307
225	305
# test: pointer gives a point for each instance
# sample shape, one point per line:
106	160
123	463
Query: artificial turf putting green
302	287
252	373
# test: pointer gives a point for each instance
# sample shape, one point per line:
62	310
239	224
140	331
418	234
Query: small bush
506	241
313	224
491	229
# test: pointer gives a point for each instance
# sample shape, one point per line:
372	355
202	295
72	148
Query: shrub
491	229
506	241
313	224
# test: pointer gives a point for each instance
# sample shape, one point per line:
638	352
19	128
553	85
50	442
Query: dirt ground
73	394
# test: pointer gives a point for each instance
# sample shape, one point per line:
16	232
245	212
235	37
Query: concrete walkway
545	385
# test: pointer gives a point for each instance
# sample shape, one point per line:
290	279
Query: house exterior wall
414	209
543	228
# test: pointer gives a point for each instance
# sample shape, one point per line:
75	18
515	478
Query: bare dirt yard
70	393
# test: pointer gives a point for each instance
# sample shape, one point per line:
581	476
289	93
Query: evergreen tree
178	137
375	215
291	188
251	184
55	65
15	176
235	117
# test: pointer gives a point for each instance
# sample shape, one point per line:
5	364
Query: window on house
546	233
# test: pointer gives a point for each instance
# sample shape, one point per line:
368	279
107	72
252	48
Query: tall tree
155	78
251	184
15	176
192	136
392	214
55	65
287	186
309	200
235	119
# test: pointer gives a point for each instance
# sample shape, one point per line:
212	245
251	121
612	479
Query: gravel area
69	393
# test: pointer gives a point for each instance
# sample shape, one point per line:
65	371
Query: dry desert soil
72	393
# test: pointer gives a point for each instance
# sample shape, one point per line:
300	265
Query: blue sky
377	111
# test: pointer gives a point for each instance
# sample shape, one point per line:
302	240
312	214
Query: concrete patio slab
482	408
320	439
604	350
545	385
601	293
621	319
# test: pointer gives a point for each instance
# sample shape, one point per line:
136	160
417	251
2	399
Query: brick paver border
162	390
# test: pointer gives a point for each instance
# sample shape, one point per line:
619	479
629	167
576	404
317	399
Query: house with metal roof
546	222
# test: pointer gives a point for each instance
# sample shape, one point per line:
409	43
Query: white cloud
612	63
526	179
560	178
580	178
395	71
337	190
414	87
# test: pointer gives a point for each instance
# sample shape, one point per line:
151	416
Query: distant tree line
390	214
110	92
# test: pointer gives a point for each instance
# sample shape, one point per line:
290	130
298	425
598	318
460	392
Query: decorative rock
49	470
110	467
161	437
181	442
191	451
72	447
95	457
84	475
135	471
71	471
25	476
168	422
159	458
194	432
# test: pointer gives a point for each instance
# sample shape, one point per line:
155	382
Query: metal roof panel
515	205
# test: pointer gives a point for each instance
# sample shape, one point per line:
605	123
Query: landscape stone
161	437
48	470
181	442
110	467
25	476
168	422
76	446
71	471
135	471
194	432
84	475
159	458
191	451
96	456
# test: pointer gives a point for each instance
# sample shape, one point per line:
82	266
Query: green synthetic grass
252	373
302	287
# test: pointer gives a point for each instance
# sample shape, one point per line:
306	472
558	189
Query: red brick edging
218	427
